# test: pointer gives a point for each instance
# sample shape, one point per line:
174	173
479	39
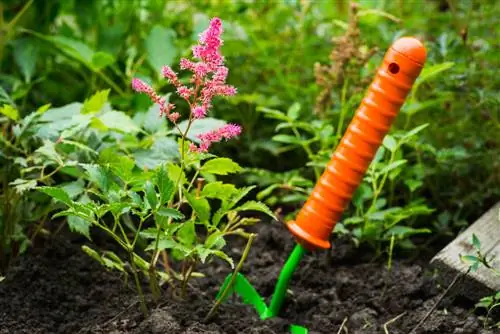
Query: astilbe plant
165	213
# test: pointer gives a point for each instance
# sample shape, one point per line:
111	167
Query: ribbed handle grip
385	96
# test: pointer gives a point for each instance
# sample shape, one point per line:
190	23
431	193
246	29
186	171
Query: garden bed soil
56	288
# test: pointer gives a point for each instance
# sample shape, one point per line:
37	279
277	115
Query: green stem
224	293
144	307
283	280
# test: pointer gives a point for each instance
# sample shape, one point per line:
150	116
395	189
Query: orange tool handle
317	218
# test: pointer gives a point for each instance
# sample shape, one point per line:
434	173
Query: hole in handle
394	68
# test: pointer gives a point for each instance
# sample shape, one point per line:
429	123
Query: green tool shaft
283	280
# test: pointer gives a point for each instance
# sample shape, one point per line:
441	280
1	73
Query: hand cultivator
315	222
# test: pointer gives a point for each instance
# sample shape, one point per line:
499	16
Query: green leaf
187	234
176	174
164	184
48	151
402	232
102	60
215	240
160	47
92	253
239	194
294	111
170	213
200	206
10	112
256	206
414	131
469	260
163	243
223	256
287	139
274	114
475	242
79	225
163	150
118	121
57	193
122	166
96	102
25	53
221	166
23	186
97	175
390	143
430	72
218	190
392	166
149	190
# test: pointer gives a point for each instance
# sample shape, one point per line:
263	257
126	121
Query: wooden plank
483	281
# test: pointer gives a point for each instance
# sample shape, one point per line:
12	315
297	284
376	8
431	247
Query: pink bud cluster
226	132
207	81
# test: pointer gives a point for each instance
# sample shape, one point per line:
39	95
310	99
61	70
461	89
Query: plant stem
186	277
223	295
144	307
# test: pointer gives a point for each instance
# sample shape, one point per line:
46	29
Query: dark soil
58	289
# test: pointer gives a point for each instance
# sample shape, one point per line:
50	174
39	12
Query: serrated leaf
187	234
149	190
176	174
170	213
79	225
57	193
97	175
164	184
221	166
200	206
48	151
239	194
215	240
256	206
96	102
23	186
218	190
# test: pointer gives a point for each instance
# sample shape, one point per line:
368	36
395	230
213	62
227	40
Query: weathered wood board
482	282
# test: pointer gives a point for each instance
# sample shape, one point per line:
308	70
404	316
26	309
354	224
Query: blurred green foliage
59	52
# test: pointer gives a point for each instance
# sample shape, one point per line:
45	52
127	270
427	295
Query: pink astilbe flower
226	132
170	75
208	80
199	112
185	92
141	87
